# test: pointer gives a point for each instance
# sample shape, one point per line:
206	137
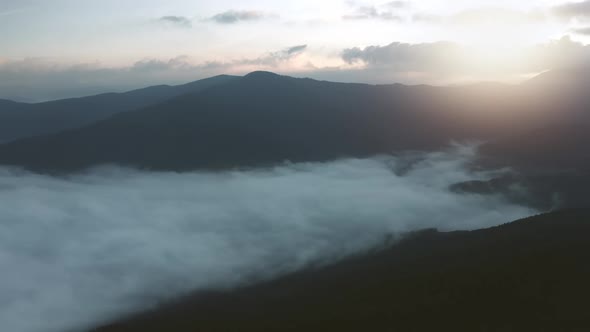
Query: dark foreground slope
530	275
19	120
264	118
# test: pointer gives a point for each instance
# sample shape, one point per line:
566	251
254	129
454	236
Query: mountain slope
530	275
561	147
264	118
558	143
19	120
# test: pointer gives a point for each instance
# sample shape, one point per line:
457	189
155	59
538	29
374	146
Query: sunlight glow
501	42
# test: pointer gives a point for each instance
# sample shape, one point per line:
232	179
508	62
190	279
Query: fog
81	250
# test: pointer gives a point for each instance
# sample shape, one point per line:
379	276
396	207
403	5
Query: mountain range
528	275
263	118
19	120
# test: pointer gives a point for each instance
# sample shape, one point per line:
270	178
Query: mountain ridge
259	119
265	118
22	120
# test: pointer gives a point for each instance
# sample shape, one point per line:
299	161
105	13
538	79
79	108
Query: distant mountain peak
262	74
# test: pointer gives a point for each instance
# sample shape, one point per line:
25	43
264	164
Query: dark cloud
580	10
235	16
296	49
179	21
78	251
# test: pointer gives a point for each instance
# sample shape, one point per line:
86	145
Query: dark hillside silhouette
265	118
529	275
19	120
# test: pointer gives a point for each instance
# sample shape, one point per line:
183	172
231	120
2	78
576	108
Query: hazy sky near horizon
52	49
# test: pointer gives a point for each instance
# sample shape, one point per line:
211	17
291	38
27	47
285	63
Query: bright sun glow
500	42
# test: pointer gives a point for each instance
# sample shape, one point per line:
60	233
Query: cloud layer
448	60
442	62
573	10
179	21
38	79
236	16
77	251
470	18
425	57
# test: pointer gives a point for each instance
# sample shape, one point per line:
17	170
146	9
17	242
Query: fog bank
78	251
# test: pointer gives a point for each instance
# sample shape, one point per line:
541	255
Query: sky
65	48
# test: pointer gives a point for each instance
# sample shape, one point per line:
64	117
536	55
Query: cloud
406	57
235	16
495	15
79	251
385	12
296	49
178	21
151	65
483	16
582	31
448	61
39	79
573	10
423	63
562	53
274	58
45	79
398	4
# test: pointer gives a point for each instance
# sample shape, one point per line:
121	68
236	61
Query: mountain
529	275
551	158
561	147
265	118
551	167
565	91
19	120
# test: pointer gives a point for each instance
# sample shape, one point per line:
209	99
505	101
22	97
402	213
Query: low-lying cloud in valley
78	251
